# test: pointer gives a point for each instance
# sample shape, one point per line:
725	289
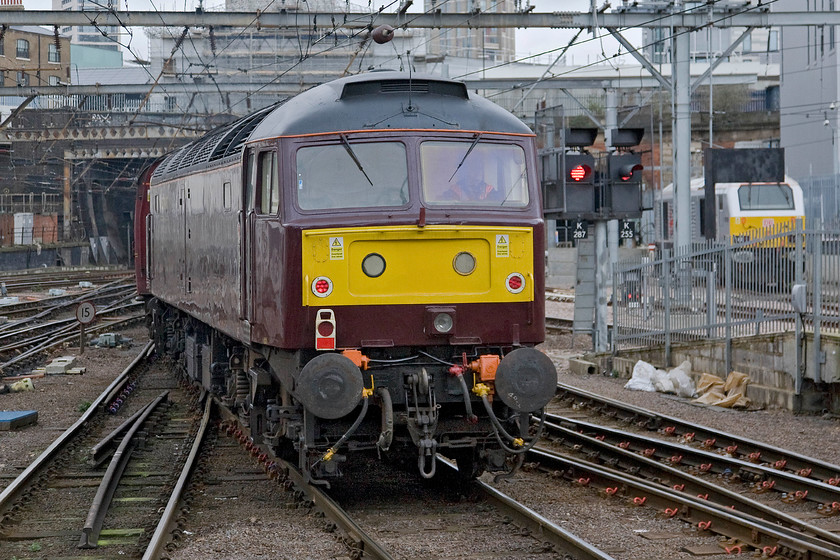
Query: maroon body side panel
195	246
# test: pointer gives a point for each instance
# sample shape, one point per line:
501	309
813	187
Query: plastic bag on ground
642	378
681	379
662	382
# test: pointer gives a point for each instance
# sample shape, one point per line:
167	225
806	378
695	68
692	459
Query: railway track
40	279
100	485
18	348
747	450
18	314
368	516
123	484
737	532
755	507
557	325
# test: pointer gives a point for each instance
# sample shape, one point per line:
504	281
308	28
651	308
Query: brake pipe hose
366	393
499	430
458	372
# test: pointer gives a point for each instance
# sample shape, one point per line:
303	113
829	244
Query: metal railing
715	291
36	203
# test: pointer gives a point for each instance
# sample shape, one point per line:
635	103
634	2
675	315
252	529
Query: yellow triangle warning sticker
336	248
502	246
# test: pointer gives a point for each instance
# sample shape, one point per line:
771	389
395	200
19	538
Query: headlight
443	322
373	265
464	263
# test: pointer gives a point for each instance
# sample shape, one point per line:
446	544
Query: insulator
212	41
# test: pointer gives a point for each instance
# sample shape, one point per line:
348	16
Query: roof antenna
408	59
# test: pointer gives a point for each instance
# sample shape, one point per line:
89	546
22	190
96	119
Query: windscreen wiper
463	159
358	163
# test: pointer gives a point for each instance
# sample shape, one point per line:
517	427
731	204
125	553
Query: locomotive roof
371	101
382	100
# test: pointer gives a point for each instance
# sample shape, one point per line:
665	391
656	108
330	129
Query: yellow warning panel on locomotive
411	265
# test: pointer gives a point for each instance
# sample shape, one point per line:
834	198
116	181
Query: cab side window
251	183
269	183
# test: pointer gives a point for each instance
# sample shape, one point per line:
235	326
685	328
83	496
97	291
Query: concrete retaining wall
31	256
769	360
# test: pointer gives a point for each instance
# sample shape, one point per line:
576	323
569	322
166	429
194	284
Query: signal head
580	172
626	171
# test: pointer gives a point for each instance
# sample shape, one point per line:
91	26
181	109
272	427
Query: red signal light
628	170
579	172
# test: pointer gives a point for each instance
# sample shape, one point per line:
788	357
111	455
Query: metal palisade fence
780	279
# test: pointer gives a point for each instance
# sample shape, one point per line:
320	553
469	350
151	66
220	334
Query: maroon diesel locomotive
358	268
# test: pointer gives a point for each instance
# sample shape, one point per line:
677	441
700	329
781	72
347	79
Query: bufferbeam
747	17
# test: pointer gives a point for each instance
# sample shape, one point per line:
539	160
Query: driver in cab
468	185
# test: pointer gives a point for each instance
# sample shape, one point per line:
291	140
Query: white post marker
85	314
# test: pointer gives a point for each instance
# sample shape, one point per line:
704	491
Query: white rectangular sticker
336	248
502	245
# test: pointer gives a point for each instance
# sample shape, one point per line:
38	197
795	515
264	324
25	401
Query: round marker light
325	328
443	322
515	283
373	265
464	263
322	286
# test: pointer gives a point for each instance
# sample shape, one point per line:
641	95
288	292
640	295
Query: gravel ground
60	400
618	528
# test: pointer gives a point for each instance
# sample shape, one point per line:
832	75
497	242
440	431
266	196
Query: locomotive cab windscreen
774	196
486	174
351	174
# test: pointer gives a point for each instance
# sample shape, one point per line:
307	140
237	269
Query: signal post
579	187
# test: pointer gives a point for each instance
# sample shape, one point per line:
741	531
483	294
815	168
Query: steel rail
538	526
99	451
705	516
542	528
125	301
555	324
366	544
795	462
667	475
16	487
159	538
111	479
715	463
